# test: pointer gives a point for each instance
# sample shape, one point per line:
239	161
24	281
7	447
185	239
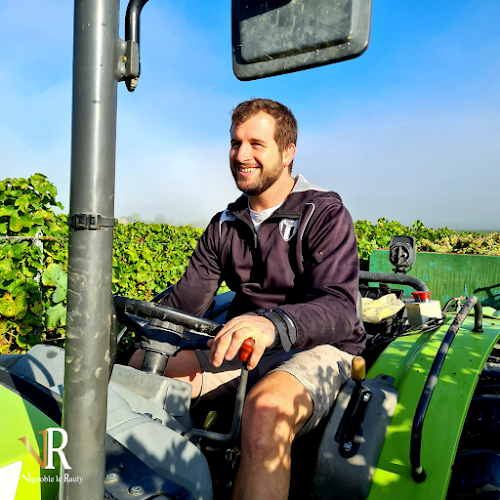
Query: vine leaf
16	224
13	306
61	290
53	274
7	210
55	315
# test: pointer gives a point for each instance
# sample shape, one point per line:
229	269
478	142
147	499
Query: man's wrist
277	341
285	329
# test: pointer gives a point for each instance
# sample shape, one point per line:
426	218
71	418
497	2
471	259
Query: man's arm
325	312
329	287
194	292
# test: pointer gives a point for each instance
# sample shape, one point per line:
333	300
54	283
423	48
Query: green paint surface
450	275
408	360
20	418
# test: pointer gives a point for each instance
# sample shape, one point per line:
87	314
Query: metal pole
90	250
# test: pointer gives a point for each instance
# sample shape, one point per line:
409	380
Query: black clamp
89	221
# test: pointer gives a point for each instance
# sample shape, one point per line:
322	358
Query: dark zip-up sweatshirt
300	269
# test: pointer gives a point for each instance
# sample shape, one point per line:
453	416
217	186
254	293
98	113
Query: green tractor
419	419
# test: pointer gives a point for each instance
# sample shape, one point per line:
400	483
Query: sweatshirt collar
292	206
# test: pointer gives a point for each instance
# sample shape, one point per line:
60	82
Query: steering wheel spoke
161	343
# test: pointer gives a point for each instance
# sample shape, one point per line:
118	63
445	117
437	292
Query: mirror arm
132	18
132	34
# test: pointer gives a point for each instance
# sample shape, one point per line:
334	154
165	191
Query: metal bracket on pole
129	68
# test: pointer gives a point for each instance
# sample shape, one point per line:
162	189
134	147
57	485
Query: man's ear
288	155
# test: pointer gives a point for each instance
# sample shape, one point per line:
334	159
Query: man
288	250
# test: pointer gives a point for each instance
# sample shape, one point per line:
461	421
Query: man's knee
185	367
274	412
266	426
137	359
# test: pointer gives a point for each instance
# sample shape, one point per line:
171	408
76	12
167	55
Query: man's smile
246	169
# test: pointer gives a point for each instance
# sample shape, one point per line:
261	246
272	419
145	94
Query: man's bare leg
185	367
275	410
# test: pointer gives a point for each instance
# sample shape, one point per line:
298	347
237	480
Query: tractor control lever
244	353
358	369
355	411
246	350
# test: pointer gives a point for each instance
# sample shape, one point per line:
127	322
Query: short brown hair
286	129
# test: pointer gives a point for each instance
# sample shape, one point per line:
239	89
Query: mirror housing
274	37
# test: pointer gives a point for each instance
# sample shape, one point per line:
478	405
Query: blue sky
407	131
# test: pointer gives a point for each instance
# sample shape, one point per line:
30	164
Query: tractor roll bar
90	266
394	279
417	471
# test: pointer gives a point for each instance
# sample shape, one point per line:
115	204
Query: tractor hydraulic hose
417	471
393	279
478	317
478	313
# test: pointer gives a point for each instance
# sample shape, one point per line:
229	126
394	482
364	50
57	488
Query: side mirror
281	36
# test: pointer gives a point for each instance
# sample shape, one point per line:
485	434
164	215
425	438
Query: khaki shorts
322	370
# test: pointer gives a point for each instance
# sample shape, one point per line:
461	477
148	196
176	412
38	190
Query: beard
264	179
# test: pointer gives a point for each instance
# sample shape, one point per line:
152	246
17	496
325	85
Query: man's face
255	160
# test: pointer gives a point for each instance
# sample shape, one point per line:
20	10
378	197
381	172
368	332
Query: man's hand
228	341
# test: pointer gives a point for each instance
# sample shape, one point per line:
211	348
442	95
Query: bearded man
287	248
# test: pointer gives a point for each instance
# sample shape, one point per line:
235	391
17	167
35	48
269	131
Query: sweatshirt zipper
255	232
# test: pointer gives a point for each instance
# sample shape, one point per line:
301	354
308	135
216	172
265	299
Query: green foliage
488	244
147	258
27	211
33	272
373	236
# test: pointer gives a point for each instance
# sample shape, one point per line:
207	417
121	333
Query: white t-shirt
259	217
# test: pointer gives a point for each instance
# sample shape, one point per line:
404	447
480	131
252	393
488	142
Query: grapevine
147	258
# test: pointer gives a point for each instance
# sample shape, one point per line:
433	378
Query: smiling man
287	248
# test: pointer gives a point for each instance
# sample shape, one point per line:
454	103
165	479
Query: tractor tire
476	471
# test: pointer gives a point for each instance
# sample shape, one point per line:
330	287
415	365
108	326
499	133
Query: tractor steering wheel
162	343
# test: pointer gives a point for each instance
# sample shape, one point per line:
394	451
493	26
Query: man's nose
244	153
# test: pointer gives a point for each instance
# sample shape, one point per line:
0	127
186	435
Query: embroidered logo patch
288	228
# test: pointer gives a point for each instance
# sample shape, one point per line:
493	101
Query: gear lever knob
358	368
246	349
